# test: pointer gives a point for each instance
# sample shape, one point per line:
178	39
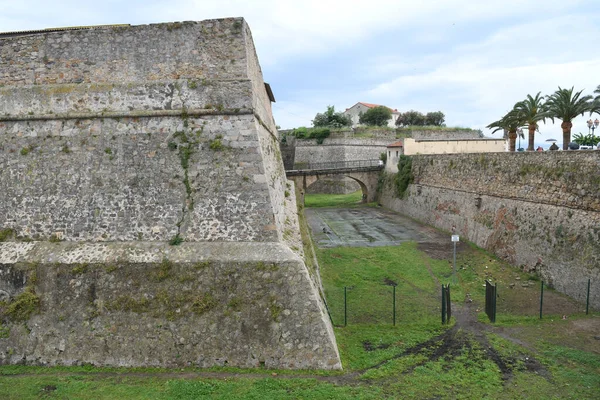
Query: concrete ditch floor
366	227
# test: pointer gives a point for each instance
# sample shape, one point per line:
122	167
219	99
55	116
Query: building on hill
359	108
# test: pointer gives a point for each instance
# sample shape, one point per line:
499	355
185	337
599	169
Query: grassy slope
567	369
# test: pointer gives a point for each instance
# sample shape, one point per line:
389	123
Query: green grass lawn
519	357
328	200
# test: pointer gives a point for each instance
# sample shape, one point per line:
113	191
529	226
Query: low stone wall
549	225
308	151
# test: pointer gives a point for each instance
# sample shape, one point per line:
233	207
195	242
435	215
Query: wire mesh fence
401	302
537	298
381	304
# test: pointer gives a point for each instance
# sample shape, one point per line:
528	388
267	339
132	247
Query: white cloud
472	60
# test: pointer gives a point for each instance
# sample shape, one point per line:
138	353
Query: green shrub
6	234
320	134
176	240
301	132
21	308
404	177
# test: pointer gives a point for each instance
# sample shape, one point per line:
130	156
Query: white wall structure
394	151
412	146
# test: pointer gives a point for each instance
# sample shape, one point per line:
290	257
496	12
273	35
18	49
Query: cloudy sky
470	59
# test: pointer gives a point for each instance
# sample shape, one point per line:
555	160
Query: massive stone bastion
145	217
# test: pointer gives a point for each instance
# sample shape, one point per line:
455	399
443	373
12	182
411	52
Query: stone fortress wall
117	140
537	210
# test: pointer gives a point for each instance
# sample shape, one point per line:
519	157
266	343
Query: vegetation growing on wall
23	305
320	134
6	234
404	177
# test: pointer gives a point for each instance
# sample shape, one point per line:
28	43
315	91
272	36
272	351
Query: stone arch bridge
364	172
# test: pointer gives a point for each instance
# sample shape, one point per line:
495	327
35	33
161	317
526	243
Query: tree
435	118
331	119
511	122
411	117
596	103
565	105
586	140
378	116
533	111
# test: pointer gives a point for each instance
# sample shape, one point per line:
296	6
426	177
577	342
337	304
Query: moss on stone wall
21	307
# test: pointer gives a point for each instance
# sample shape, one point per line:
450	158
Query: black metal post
542	300
448	304
495	300
443	305
345	308
587	302
394	304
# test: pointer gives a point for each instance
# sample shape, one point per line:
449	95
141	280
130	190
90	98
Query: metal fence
532	297
401	301
339	165
383	304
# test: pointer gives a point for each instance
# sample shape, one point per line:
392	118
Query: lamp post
592	125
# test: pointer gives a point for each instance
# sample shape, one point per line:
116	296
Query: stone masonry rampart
536	210
144	207
570	179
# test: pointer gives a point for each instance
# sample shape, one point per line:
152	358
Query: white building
359	108
409	146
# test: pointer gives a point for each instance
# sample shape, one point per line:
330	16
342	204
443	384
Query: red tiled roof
396	144
370	105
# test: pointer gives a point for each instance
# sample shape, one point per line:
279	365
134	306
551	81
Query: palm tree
533	111
596	103
565	105
511	122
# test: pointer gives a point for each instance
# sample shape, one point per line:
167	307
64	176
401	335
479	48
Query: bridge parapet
337	167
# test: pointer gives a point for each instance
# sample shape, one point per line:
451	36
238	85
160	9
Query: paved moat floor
366	227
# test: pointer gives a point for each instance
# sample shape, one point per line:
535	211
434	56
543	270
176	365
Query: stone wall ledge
128	114
477	194
143	252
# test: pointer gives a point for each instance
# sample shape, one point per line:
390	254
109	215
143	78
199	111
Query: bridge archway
366	180
364	172
324	184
